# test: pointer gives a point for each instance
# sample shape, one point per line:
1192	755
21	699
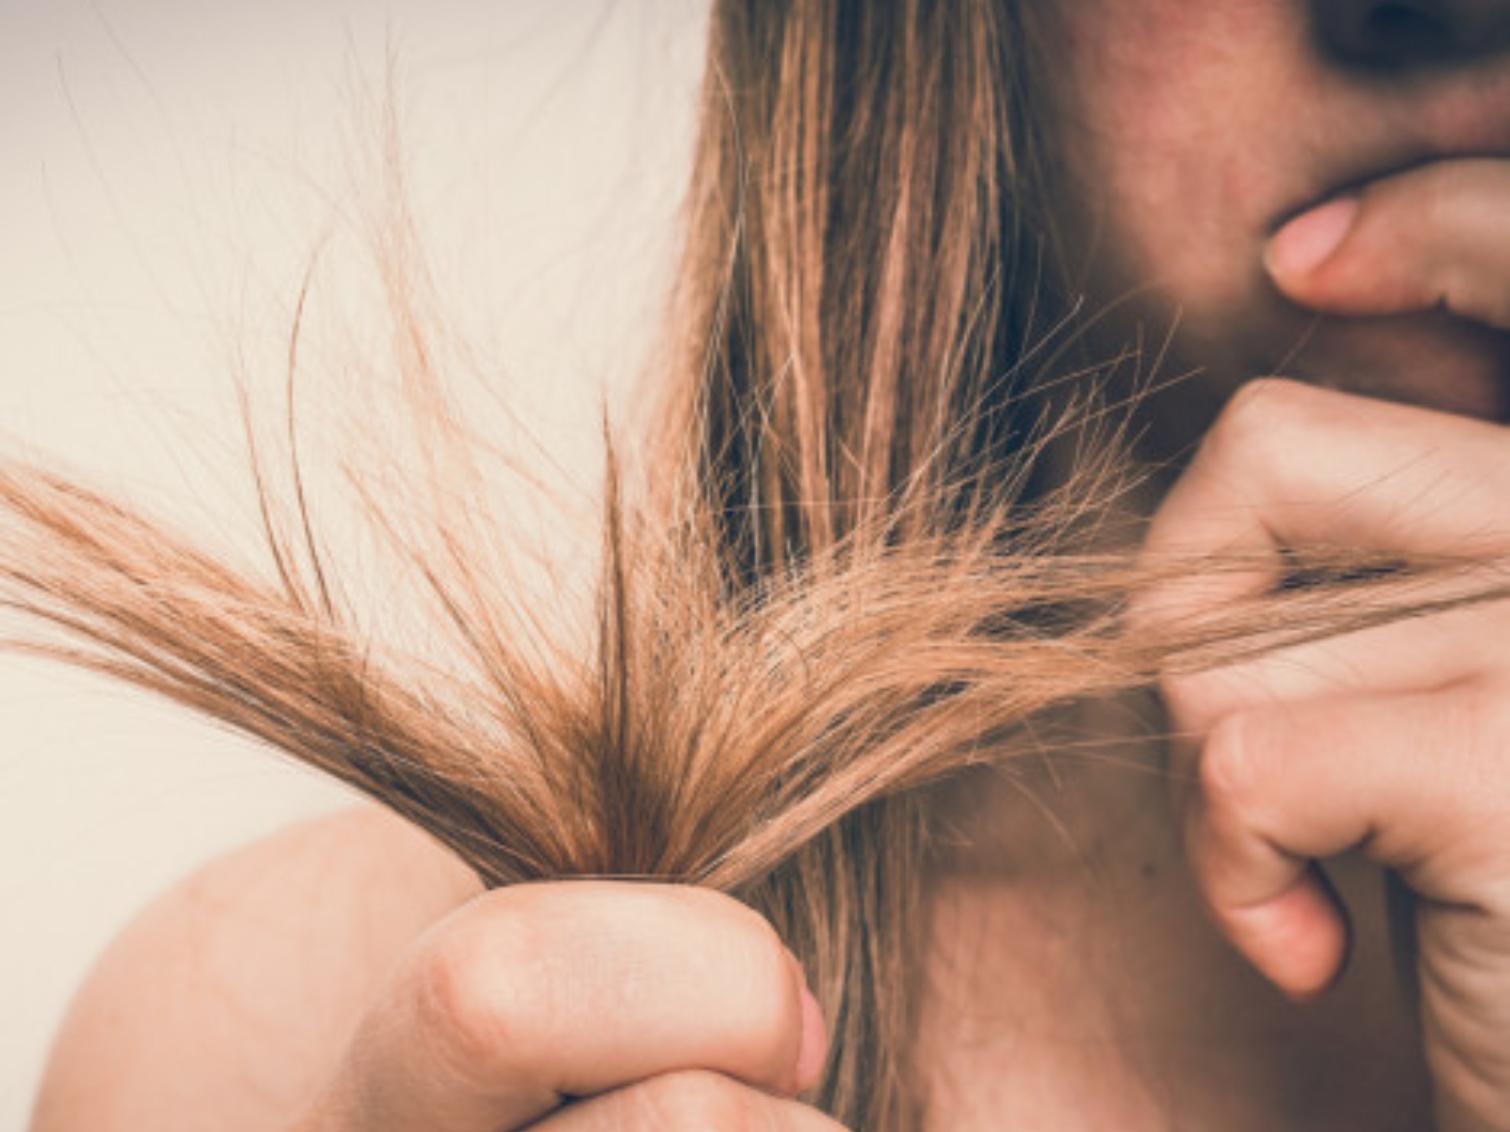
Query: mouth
1358	175
1462	116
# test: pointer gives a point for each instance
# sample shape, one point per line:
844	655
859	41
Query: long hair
838	567
863	270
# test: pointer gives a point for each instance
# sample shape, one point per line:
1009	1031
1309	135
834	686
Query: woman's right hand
582	1005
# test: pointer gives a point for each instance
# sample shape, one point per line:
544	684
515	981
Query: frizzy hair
851	573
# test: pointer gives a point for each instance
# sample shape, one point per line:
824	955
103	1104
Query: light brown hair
845	567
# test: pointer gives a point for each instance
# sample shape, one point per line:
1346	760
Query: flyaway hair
702	739
859	570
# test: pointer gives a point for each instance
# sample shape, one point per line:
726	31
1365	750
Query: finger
1414	655
1288	465
693	1101
1437	235
1417	781
539	993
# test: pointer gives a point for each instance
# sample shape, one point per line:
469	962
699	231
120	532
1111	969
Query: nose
1396	33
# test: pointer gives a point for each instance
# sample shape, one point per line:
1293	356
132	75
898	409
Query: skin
1294	191
1159	951
1192	132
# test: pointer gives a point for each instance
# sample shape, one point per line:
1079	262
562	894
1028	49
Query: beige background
168	167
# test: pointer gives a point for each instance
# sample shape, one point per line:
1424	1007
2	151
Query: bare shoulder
230	998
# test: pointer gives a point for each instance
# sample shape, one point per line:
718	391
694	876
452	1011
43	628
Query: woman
909	222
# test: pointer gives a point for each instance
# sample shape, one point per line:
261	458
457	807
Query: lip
1364	173
1462	117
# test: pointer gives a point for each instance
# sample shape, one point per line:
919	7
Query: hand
585	1005
1395	740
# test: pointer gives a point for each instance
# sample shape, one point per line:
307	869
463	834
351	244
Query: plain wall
169	167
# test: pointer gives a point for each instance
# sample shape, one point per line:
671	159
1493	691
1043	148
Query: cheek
1186	216
1175	136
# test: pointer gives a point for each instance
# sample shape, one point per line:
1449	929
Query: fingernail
812	1052
1306	242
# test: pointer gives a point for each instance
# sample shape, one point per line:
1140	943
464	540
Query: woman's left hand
1394	740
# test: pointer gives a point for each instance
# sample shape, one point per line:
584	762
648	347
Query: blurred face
1193	129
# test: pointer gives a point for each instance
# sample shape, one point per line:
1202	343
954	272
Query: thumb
1437	235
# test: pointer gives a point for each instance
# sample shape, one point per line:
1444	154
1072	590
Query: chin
1433	360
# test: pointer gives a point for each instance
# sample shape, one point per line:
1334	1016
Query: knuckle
1439	192
481	996
1476	724
1192	699
1230	770
497	991
769	977
772	1008
718	906
1259	429
764	1002
1458	289
1266	421
1472	1069
698	1101
1261	410
759	981
1260	426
